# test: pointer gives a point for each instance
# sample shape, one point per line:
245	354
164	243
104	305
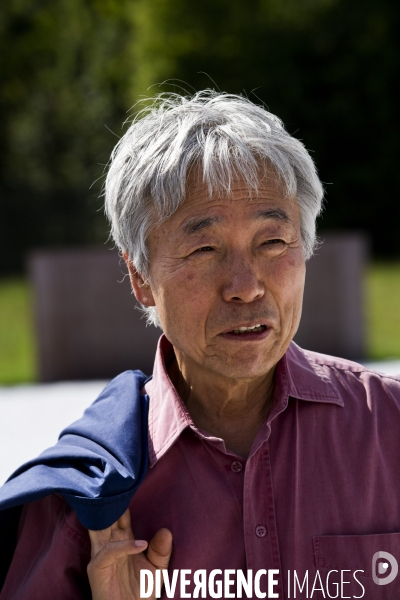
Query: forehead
241	200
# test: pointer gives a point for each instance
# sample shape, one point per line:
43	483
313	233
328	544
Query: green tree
66	77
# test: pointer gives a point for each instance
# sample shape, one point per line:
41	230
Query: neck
224	407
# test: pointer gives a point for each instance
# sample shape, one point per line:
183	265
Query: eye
273	242
204	249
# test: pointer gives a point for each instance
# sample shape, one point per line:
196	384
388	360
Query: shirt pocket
353	560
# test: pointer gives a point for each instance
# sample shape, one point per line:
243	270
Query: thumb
160	549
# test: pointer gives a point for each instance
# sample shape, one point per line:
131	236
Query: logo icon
383	567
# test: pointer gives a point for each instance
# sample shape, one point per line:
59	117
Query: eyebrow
278	214
196	225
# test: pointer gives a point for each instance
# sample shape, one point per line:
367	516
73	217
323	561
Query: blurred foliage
72	67
17	345
65	75
383	314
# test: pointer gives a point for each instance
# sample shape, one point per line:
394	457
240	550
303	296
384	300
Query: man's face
225	263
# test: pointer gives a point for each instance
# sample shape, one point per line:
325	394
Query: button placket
262	547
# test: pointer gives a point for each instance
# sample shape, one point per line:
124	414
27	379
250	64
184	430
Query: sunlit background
73	69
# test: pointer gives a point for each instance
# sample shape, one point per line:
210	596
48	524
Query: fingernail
140	543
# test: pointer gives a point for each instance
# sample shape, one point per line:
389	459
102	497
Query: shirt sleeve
51	556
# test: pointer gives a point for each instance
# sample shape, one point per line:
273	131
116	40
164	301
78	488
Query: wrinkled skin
219	263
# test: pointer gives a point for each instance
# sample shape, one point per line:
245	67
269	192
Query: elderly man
266	462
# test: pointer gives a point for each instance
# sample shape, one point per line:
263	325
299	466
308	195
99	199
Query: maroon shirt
319	492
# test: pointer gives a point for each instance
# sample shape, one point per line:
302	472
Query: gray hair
225	136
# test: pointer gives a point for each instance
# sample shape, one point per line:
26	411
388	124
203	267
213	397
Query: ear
140	286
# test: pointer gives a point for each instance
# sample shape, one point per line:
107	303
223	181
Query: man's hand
117	558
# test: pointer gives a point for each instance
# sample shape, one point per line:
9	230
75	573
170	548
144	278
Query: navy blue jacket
96	466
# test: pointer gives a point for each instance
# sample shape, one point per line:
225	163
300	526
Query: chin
244	369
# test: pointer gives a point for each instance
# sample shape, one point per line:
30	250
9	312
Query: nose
241	282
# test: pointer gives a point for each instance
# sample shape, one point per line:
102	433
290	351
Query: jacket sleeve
51	556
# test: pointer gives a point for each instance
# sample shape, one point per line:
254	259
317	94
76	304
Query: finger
124	522
99	538
114	551
120	530
160	549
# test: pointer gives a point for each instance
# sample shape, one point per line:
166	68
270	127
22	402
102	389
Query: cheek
184	298
187	281
288	276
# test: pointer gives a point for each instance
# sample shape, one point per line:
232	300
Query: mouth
253	332
253	329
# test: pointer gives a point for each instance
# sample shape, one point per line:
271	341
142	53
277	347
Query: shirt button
261	531
236	466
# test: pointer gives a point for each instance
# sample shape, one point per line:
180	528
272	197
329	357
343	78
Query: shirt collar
302	377
297	376
168	415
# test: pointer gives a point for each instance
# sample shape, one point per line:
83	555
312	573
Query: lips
247	333
253	329
249	329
